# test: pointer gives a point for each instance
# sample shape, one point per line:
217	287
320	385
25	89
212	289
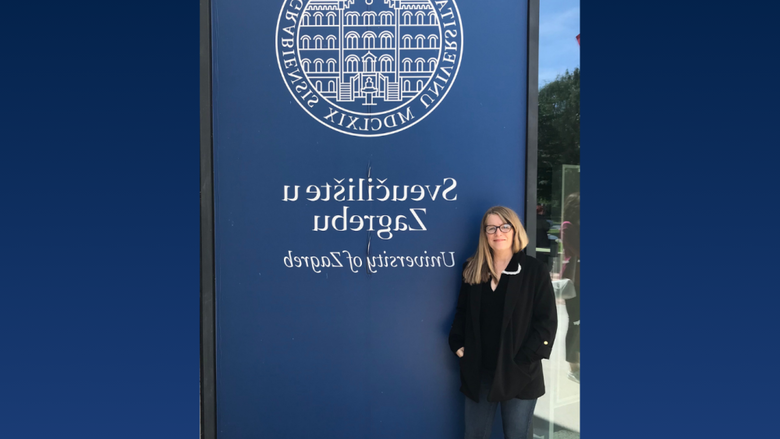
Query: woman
504	325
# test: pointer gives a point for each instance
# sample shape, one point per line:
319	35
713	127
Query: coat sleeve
458	328
544	322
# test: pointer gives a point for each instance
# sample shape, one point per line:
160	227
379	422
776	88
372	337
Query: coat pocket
525	368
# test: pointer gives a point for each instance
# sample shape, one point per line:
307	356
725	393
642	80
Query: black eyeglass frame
496	228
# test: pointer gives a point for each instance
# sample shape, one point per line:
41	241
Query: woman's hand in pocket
459	352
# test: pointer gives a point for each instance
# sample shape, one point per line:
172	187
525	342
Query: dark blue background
99	241
679	186
100	231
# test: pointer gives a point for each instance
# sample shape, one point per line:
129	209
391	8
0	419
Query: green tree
559	131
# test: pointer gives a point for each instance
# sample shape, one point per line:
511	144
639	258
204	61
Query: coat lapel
476	303
512	289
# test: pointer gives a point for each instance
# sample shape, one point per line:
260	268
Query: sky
559	24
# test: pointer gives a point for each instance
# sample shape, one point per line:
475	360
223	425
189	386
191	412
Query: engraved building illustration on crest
385	54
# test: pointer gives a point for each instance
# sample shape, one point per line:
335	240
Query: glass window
557	414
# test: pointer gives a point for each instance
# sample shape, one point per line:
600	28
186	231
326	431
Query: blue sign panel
356	145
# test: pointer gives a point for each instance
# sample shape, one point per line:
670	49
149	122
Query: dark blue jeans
516	414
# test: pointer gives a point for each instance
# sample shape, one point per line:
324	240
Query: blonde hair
479	268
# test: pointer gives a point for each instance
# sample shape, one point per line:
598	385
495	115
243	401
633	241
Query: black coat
528	330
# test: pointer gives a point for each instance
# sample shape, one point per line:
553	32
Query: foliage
559	131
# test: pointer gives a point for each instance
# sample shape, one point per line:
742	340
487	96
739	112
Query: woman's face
499	241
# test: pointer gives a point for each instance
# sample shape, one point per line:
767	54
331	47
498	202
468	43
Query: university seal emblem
369	68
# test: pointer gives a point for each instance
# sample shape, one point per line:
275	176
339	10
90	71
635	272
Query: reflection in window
557	213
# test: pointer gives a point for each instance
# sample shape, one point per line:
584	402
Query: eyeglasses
505	228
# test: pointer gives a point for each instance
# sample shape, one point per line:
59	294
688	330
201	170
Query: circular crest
369	68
